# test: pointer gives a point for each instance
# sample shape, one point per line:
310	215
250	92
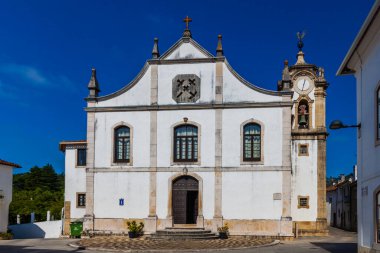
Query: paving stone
144	243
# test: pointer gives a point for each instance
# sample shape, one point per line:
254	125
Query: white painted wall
46	229
105	125
165	122
271	119
166	73
185	51
235	91
304	181
6	177
249	195
368	153
75	181
138	94
109	187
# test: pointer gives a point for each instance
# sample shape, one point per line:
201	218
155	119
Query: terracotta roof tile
2	162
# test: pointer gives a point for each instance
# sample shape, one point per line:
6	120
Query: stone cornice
189	169
189	106
310	134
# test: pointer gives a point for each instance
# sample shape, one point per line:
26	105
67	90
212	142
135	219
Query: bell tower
308	145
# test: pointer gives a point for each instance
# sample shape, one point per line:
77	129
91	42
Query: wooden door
185	200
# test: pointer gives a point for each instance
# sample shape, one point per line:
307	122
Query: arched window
186	143
252	142
303	114
122	144
378	113
378	217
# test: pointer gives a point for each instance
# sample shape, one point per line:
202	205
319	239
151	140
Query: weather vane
300	36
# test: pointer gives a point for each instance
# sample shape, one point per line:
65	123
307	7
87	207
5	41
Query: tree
39	190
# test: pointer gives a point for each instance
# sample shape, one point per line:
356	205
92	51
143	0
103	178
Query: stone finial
187	32
285	71
300	58
155	51
93	85
219	48
285	83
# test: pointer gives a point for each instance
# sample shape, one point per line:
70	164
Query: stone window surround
77	198
376	244
200	196
299	149
130	163
76	158
242	162
172	127
299	202
377	118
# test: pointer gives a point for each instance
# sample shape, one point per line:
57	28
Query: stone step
183	234
182	231
169	237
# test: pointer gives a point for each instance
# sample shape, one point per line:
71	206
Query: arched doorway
185	191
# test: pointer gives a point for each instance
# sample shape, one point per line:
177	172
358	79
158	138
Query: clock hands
303	85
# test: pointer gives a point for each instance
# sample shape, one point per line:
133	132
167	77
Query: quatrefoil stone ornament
186	88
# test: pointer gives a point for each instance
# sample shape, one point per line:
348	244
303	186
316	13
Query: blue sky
47	49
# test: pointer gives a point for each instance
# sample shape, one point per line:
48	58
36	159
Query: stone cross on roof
187	32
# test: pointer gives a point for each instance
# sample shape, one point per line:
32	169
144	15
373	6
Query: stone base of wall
310	228
261	228
362	249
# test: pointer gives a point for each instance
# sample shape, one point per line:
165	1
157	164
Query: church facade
190	143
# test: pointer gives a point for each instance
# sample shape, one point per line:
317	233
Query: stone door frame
200	218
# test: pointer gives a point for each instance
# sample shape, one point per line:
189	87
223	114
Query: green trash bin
76	228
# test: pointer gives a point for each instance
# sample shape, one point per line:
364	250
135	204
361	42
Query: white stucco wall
136	94
249	195
368	79
75	181
133	187
271	120
185	51
166	73
105	125
46	229
6	177
304	181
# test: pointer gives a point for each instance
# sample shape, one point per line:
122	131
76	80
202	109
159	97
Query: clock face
303	84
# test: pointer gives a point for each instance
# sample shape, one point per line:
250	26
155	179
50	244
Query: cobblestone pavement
338	241
144	244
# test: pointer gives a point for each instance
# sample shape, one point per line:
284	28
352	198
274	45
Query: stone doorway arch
185	200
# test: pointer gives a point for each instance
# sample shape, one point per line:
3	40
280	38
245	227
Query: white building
6	181
189	142
363	60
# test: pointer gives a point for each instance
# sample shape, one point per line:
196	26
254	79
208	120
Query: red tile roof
2	162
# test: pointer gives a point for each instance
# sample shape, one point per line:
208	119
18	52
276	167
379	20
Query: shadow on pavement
337	247
28	249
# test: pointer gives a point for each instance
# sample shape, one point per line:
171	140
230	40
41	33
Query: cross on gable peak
187	32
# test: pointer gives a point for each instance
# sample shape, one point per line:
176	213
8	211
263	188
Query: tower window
303	150
303	201
303	114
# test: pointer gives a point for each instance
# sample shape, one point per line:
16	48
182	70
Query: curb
275	242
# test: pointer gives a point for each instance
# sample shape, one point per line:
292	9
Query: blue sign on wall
121	202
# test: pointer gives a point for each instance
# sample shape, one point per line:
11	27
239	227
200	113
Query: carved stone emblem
186	88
